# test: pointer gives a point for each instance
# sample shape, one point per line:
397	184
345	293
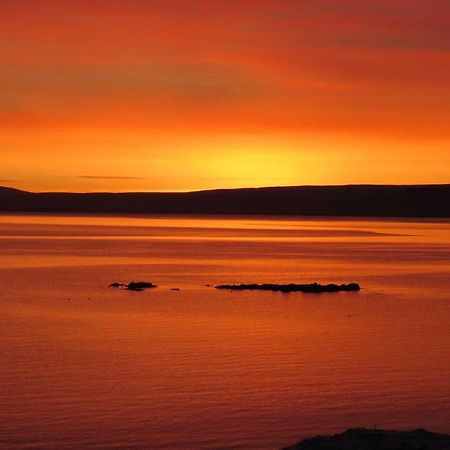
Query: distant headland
429	200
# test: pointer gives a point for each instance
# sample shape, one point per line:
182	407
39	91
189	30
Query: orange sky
127	95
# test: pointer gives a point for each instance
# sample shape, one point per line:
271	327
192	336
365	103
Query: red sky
179	95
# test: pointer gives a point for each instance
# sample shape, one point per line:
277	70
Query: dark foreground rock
313	287
134	285
367	439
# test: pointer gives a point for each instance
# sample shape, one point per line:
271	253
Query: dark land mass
313	288
351	200
134	285
365	439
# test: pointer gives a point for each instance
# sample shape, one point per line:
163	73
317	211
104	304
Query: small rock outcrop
139	285
134	285
309	288
372	439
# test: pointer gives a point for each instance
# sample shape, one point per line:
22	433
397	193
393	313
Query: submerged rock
368	439
312	287
116	285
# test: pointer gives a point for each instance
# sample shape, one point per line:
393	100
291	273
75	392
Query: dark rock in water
134	285
175	289
313	287
139	285
368	439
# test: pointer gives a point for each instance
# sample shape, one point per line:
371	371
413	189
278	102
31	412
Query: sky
179	95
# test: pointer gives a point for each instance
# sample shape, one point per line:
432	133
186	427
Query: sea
187	366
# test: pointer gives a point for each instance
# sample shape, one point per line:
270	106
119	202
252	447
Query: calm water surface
84	366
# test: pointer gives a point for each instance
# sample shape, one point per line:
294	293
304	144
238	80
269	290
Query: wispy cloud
8	181
101	177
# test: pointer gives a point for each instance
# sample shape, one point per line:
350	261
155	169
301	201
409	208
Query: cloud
218	67
101	177
178	82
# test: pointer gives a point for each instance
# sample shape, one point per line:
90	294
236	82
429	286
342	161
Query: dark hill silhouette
10	191
350	200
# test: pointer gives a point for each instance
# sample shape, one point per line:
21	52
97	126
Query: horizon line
232	189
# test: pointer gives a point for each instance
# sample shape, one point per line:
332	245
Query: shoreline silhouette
431	201
374	439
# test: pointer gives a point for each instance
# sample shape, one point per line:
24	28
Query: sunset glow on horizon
177	95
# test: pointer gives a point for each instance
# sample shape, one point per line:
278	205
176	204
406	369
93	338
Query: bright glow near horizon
174	95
